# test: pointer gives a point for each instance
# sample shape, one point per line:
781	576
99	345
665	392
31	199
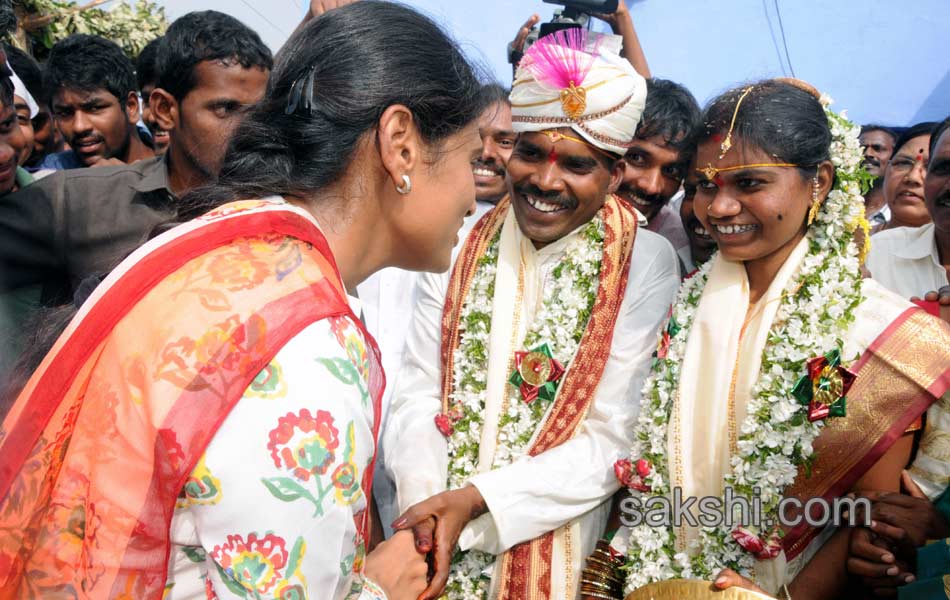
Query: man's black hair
146	64
882	128
495	93
201	36
672	112
87	63
911	132
935	136
28	70
6	86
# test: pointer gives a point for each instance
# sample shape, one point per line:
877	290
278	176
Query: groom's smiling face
557	184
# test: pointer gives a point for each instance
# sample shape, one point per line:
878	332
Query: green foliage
131	27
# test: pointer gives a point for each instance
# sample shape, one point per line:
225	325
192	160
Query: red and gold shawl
904	370
525	569
103	437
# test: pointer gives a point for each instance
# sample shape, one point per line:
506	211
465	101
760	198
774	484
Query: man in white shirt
525	364
913	261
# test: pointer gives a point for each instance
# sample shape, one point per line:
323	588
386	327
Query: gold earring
815	203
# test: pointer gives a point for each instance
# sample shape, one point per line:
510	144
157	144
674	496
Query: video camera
576	13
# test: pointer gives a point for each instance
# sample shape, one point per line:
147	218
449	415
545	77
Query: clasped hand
436	525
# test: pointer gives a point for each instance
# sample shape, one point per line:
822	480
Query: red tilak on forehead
718	180
920	154
552	155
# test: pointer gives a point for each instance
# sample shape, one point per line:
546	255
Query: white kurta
905	261
534	495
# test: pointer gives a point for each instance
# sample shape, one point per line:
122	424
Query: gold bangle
599	596
601	576
607	555
598	561
598	584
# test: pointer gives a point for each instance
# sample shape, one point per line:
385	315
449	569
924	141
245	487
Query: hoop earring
815	203
406	186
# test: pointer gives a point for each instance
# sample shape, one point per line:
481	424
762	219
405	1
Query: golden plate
693	589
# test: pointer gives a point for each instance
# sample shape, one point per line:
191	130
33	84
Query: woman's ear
400	147
826	179
164	109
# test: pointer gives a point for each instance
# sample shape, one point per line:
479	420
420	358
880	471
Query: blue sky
883	61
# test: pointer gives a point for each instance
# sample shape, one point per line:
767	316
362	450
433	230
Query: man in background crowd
498	140
93	97
878	142
15	306
79	223
146	76
657	161
46	136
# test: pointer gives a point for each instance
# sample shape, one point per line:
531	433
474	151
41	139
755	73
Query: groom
524	366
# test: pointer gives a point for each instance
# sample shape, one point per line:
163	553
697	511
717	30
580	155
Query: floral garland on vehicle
558	327
777	435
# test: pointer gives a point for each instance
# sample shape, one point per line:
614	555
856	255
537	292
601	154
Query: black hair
87	63
495	93
146	64
207	35
785	120
882	128
331	82
913	131
28	70
937	132
672	112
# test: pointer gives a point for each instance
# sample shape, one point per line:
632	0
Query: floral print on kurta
271	510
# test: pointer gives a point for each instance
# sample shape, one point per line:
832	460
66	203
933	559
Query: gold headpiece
710	171
727	143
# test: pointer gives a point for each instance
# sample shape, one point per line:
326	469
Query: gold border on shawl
459	283
678	589
887	385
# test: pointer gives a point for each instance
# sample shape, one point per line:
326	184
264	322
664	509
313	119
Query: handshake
414	563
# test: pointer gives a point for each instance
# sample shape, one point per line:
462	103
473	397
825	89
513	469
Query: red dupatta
103	437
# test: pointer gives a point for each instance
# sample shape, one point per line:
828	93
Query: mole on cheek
780	216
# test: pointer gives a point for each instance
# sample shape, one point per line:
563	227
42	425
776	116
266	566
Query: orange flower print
230	346
255	564
239	269
304	444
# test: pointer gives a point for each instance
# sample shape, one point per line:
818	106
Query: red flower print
304	444
255	564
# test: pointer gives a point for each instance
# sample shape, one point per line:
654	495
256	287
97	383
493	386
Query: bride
781	373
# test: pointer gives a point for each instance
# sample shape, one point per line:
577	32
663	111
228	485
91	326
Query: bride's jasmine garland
560	323
776	437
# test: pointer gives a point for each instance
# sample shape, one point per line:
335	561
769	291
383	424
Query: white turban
564	81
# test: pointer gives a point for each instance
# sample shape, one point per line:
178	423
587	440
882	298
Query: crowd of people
355	321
